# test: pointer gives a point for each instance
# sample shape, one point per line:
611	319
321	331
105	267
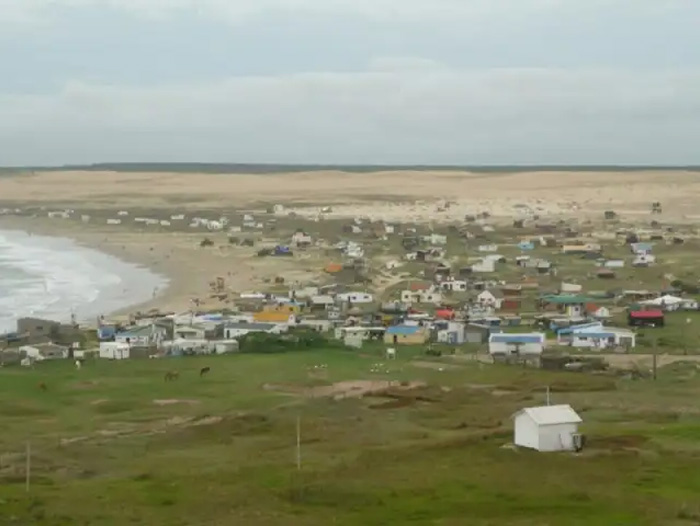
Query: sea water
56	278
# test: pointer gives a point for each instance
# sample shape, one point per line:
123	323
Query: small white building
547	428
421	296
485	265
454	285
114	350
516	344
356	297
492	299
236	330
488	248
643	260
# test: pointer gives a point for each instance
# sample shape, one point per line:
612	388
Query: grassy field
114	444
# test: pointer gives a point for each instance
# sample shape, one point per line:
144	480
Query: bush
297	340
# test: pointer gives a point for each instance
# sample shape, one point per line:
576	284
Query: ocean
56	278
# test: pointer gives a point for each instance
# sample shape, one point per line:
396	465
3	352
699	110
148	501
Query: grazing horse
203	371
171	375
43	387
78	364
391	353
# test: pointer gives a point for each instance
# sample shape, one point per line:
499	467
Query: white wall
554	437
557	437
509	348
356	297
526	432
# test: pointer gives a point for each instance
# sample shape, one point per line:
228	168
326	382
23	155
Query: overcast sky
350	81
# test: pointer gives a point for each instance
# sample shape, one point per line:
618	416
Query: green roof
564	299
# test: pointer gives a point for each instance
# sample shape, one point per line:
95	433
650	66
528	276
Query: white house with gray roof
236	330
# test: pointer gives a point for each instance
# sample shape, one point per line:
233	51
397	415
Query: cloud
397	114
385	10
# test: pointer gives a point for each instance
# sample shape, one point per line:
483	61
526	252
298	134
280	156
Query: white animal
78	365
391	353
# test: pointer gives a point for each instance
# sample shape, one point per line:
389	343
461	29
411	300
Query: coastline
63	277
139	276
186	268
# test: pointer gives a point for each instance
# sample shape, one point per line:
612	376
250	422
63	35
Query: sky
470	82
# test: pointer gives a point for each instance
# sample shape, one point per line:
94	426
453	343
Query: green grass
103	453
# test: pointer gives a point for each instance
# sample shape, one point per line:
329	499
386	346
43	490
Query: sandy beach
400	196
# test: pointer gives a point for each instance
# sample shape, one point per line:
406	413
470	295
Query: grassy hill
114	444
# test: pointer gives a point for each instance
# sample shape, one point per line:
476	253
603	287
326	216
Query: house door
452	338
395	339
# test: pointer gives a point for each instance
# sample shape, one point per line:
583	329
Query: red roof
419	286
647	314
445	313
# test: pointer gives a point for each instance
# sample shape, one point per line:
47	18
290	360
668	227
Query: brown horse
43	387
171	375
203	371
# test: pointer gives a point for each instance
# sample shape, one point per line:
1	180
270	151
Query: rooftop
552	414
501	337
403	329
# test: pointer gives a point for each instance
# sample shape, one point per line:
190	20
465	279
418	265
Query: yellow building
406	335
274	317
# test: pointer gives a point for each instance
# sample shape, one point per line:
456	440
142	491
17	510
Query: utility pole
28	467
298	443
548	400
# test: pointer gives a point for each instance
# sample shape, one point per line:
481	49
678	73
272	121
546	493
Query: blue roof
403	329
574	328
516	338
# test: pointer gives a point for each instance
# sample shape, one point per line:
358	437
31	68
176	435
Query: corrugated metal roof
552	414
517	338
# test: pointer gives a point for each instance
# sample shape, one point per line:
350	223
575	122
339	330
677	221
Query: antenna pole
298	443
28	468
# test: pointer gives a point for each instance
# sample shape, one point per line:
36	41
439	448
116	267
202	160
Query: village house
492	298
641	248
315	325
598	313
450	332
321	302
488	248
454	285
478	333
142	336
44	351
355	297
190	332
114	350
301	239
643	260
516	345
406	335
421	296
484	266
236	330
595	336
38	330
547	428
568	304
